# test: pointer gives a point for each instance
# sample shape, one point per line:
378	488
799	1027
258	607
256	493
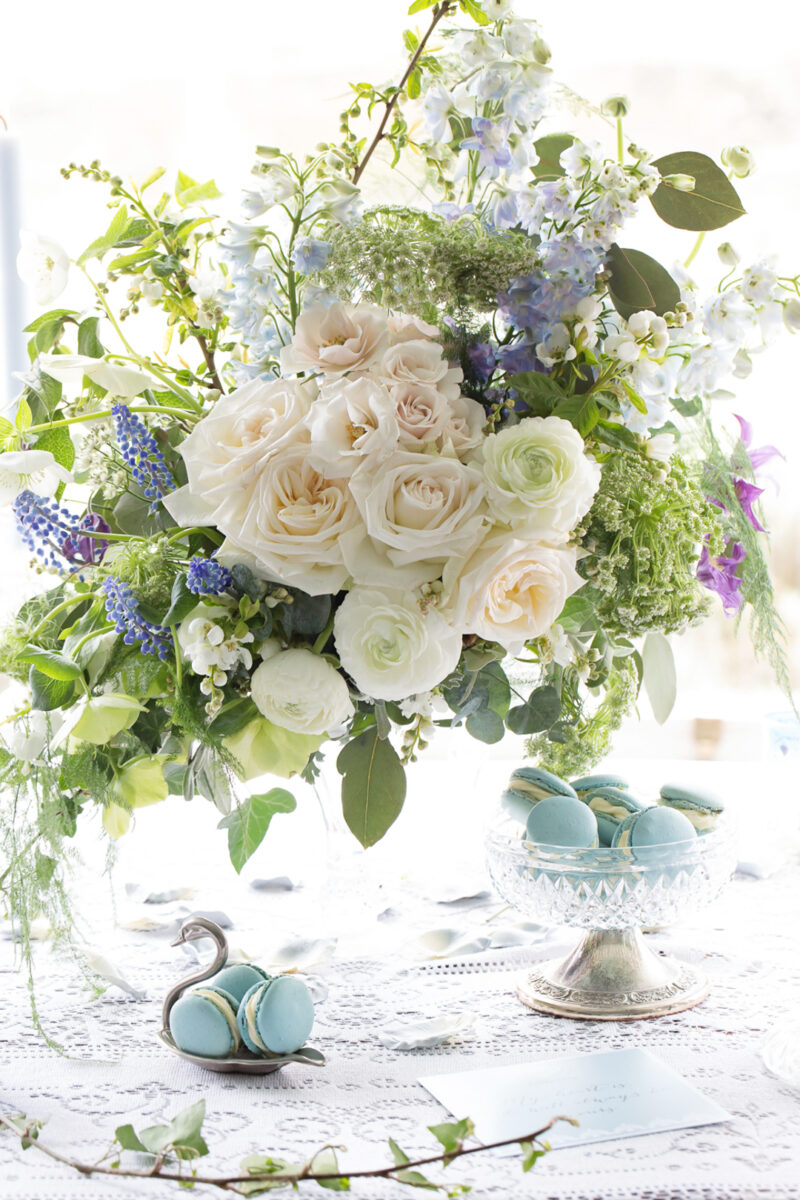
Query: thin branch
208	356
440	11
228	1183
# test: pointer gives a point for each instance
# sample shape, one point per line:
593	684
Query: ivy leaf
247	825
109	239
713	203
639	282
530	1154
399	1156
659	677
581	411
451	1135
325	1162
549	150
373	787
128	1138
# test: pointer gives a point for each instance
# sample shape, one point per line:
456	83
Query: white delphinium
557	346
437	105
645	336
584	331
208	288
581	157
43	265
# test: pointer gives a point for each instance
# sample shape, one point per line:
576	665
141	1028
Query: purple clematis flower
720	575
491	140
761	454
746	494
84	546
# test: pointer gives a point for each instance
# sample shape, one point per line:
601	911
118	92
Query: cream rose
225	451
336	338
464	431
422	413
292	523
420	508
404	327
509	590
390	647
300	691
419	361
540	479
352	421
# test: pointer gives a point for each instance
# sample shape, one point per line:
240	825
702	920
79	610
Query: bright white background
197	86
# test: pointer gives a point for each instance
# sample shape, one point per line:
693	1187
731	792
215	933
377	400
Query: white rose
43	265
353	420
509	590
226	451
464	430
422	412
390	647
540	479
292	523
301	691
417	509
418	362
36	470
336	338
403	327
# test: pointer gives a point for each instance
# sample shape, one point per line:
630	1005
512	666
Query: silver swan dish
244	1063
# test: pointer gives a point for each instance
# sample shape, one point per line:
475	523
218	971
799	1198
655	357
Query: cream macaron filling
222	1004
599	804
250	1017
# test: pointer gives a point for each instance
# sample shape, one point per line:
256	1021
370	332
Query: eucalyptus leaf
485	726
637	282
713	203
373	787
247	825
549	150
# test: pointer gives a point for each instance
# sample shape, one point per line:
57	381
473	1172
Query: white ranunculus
291	524
421	508
301	691
464	430
509	590
226	451
540	479
122	381
33	469
390	647
43	265
403	327
418	361
336	338
423	413
352	421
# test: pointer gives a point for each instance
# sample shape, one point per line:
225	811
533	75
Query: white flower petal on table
300	953
448	943
106	970
422	1035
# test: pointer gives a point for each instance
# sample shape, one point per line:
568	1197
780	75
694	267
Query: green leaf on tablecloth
530	1154
712	203
265	1164
373	787
325	1162
247	825
400	1157
452	1135
128	1138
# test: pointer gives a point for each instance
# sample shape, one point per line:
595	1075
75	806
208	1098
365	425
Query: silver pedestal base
613	976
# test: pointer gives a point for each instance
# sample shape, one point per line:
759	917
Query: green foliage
642	538
711	204
549	150
247	825
420	263
373	786
637	282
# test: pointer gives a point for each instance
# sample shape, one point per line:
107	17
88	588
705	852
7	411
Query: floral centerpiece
383	451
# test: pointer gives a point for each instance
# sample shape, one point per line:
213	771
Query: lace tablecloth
119	1072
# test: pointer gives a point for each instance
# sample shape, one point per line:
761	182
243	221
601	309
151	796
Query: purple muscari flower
44	526
123	609
84	545
720	575
491	140
747	494
310	255
482	360
140	451
207	577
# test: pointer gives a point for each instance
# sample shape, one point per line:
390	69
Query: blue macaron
276	1015
538	783
654	826
203	1022
611	806
562	821
238	979
702	808
588	783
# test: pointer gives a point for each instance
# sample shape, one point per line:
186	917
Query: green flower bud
681	183
616	106
727	254
541	51
739	161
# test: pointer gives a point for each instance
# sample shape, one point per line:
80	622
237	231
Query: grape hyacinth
122	608
207	577
140	451
44	527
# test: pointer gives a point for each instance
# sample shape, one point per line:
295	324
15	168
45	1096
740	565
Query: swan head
199	927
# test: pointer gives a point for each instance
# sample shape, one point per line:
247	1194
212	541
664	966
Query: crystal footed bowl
613	893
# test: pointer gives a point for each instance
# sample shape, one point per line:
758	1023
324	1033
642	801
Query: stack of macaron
243	1006
599	810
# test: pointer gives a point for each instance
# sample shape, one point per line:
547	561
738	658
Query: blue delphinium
140	451
122	608
491	141
310	254
207	577
44	526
